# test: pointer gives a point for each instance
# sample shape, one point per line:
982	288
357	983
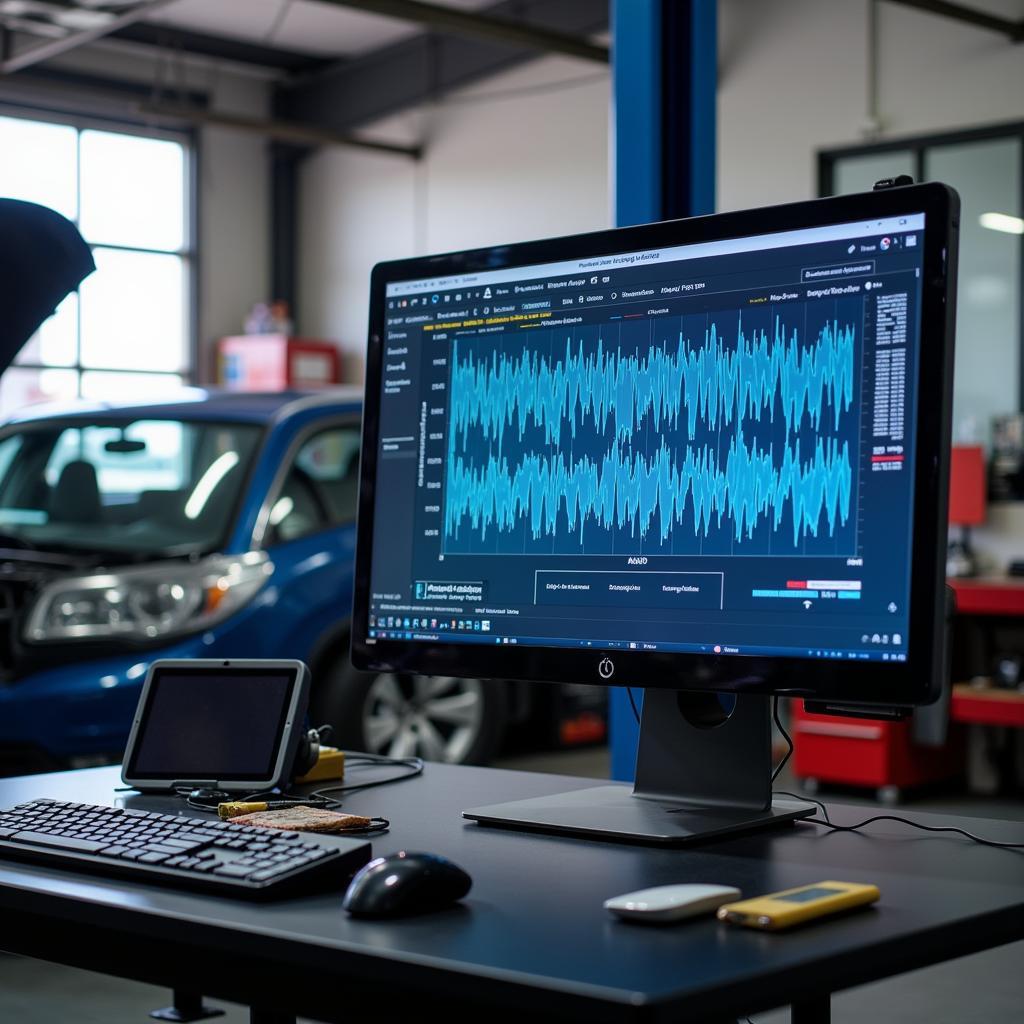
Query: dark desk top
533	935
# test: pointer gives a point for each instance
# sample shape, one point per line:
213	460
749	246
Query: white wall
234	210
525	161
793	79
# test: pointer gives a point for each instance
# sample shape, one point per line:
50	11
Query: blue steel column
664	82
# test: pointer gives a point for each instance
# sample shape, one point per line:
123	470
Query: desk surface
532	935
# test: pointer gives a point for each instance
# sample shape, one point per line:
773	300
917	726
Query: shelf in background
997	595
987	707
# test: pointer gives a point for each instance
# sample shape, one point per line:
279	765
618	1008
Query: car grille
19	583
15	596
26	759
9	594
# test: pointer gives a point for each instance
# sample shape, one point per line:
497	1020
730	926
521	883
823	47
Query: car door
310	534
310	537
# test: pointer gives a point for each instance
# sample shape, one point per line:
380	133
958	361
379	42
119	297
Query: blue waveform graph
726	433
709	381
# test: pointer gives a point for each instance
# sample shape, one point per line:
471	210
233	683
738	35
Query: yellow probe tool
330	766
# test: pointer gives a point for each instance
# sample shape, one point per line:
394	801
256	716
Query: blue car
214	525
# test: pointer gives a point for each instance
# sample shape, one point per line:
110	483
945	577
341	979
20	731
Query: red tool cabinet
863	752
883	755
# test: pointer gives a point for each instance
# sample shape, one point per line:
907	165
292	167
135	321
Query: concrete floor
985	988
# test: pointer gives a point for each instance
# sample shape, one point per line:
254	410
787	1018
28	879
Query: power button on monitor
606	668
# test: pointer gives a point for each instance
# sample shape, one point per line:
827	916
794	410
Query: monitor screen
211	724
704	449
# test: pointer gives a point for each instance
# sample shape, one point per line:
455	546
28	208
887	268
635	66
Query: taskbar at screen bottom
887	653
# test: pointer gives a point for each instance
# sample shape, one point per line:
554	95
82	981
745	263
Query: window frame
917	145
262	533
189	253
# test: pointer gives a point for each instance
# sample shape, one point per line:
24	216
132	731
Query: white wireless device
667	903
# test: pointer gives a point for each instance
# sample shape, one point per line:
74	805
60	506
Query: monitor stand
701	773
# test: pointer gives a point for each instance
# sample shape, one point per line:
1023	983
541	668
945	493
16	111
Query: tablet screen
212	724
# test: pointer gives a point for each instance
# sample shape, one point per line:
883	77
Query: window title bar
697	250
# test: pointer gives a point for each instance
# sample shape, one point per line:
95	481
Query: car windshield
141	487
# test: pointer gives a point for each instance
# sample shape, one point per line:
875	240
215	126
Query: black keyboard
171	849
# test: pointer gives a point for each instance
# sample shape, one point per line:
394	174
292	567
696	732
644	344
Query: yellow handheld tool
330	765
790	907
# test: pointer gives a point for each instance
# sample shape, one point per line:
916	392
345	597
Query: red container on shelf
276	362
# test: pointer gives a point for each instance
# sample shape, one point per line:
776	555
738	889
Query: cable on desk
805	799
413	766
211	803
377	826
827	823
915	824
319	798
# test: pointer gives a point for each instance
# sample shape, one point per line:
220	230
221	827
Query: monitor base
703	771
613	813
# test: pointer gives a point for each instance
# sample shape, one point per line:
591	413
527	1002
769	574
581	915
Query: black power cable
632	704
915	824
413	766
785	736
319	798
827	823
805	799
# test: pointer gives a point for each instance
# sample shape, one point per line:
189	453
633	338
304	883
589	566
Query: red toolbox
864	752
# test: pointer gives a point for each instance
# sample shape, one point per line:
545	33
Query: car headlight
148	603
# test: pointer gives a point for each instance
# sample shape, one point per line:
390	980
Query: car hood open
42	258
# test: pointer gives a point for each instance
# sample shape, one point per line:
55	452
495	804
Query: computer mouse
405	883
667	903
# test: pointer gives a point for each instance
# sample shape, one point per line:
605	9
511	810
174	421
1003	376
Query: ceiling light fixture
1004	222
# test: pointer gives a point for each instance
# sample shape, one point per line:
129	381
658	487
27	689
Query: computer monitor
707	455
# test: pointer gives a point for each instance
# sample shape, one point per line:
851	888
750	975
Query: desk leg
270	1017
187	1006
812	1010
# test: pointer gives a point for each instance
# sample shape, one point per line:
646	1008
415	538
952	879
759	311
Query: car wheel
397	714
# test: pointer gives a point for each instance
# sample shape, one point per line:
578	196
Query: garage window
128	333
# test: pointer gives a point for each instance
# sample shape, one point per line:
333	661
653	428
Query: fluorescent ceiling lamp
215	472
1002	222
77	18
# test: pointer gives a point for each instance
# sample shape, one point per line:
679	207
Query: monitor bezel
914	682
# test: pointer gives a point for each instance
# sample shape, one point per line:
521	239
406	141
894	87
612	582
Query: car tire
438	718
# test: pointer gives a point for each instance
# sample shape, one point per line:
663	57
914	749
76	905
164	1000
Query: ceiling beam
356	92
67	87
46	51
203	44
477	25
969	16
280	131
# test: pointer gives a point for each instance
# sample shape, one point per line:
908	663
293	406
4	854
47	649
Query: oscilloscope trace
731	432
